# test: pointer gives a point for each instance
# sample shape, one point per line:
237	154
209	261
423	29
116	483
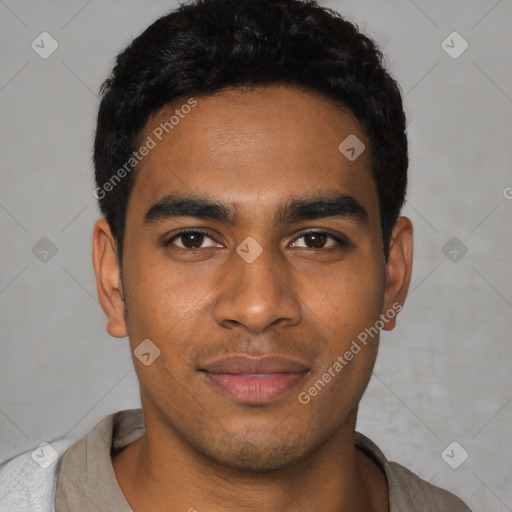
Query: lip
254	379
246	363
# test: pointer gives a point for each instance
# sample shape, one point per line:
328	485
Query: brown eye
315	240
319	240
191	240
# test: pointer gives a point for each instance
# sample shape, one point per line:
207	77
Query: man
251	164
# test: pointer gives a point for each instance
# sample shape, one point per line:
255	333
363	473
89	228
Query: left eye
318	240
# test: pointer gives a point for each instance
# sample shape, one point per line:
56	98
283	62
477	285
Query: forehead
252	148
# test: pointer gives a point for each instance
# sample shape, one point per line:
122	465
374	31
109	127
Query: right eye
191	240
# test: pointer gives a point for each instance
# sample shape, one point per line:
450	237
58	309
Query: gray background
443	375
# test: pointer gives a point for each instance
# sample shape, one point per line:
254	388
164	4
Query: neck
161	471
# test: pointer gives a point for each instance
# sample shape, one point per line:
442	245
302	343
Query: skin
253	150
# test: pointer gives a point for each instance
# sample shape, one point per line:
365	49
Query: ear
398	270
108	278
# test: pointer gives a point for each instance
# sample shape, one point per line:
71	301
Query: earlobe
108	279
398	271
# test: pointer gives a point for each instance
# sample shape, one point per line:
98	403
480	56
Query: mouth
254	379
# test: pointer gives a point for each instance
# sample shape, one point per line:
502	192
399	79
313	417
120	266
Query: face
252	261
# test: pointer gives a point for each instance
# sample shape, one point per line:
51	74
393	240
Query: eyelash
340	240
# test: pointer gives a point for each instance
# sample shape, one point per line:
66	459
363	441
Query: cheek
348	299
161	295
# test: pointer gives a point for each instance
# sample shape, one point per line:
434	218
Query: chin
259	454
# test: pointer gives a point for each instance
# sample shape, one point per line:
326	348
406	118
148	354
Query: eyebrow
308	208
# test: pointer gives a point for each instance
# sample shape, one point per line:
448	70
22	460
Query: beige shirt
87	482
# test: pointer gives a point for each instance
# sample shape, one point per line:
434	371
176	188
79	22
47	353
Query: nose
257	295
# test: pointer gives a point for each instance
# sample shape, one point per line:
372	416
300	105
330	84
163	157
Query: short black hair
205	46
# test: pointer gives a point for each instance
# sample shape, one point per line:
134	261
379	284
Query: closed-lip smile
254	379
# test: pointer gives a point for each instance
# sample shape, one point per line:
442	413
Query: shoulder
410	492
28	480
407	491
